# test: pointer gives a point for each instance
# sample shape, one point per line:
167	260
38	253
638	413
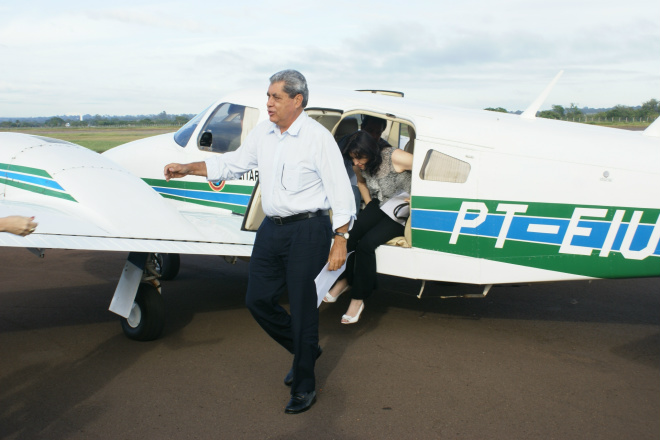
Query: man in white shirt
302	176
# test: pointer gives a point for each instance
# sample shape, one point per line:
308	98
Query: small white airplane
496	198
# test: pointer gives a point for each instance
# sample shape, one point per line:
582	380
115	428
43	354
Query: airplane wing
83	200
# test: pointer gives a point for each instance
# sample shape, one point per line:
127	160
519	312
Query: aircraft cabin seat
410	146
346	126
404	240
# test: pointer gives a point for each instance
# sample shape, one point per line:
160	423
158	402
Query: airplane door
254	214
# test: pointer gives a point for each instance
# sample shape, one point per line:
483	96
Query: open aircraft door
254	214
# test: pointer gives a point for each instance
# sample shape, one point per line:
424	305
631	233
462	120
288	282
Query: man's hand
337	256
175	171
178	170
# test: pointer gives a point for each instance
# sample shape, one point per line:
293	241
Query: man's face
282	110
374	129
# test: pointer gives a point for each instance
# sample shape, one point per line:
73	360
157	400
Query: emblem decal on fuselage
217	186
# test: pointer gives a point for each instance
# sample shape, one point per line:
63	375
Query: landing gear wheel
147	317
167	265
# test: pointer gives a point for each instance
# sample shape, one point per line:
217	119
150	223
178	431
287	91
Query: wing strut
421	289
122	300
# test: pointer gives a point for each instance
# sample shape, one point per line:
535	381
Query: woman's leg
366	220
365	274
365	255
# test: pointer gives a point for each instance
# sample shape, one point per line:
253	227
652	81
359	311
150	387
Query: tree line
99	121
647	112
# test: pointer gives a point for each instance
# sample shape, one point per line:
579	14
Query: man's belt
297	217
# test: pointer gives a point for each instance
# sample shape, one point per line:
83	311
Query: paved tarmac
569	360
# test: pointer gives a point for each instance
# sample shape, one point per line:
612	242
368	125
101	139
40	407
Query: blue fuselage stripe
443	221
32	180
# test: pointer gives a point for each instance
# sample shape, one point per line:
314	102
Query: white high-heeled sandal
352	319
330	299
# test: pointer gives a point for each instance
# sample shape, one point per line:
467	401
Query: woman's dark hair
363	146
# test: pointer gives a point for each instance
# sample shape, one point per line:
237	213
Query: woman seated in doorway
382	175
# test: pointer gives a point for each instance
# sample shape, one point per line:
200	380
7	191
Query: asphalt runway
570	360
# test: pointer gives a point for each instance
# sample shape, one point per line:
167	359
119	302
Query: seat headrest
346	126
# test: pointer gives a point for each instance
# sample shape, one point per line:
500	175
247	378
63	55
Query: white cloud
144	58
147	17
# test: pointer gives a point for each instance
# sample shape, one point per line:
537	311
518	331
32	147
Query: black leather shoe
288	380
300	402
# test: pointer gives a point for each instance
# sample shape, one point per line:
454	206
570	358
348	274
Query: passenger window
226	129
443	168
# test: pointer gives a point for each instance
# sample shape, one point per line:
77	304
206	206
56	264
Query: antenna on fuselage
530	113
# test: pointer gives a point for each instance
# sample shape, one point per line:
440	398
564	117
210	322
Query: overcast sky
144	57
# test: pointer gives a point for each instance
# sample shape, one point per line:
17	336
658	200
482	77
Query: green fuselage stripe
26	170
540	256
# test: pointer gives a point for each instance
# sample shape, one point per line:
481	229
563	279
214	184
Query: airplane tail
530	113
653	130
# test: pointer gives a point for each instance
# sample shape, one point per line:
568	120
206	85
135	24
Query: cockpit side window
227	127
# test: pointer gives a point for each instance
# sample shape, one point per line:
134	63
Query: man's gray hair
294	84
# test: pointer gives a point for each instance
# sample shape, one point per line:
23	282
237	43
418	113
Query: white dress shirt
300	170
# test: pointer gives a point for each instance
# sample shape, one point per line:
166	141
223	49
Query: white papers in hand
326	278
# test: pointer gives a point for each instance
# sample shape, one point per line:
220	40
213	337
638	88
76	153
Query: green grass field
100	139
97	139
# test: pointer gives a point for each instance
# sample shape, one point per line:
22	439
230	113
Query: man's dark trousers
287	258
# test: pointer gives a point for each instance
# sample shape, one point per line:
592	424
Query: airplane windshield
227	127
182	136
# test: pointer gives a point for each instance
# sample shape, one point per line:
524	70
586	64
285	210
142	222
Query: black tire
147	318
167	265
